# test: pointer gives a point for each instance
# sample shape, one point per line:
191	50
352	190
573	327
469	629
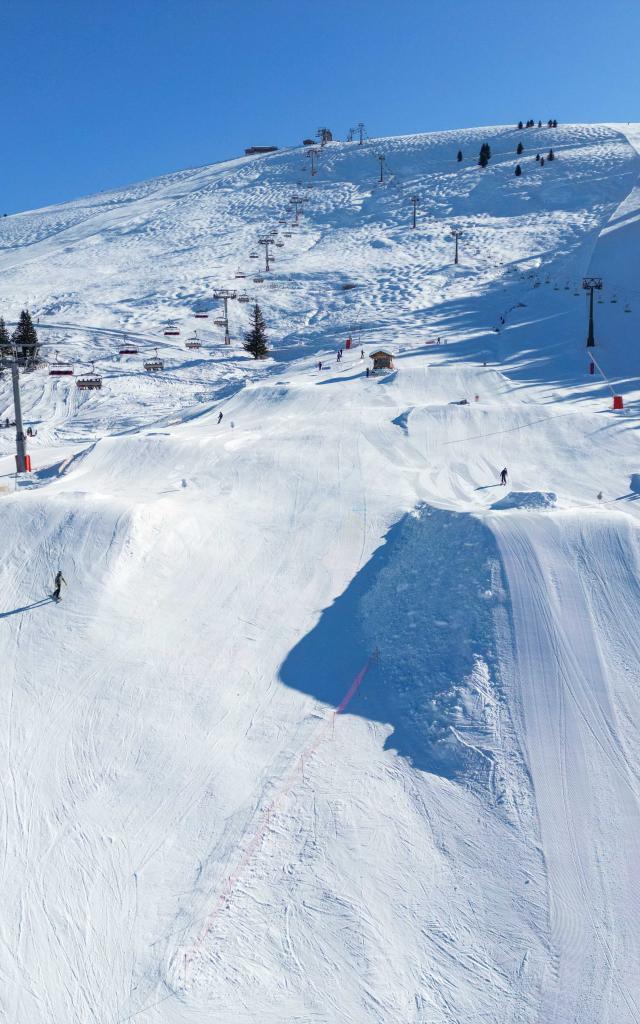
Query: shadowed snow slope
328	726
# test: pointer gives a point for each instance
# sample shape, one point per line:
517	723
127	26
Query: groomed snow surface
329	726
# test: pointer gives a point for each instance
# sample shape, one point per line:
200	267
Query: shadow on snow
430	601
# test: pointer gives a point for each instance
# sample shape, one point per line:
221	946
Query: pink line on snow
356	684
265	818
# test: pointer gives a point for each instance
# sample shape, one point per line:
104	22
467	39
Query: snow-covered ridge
190	829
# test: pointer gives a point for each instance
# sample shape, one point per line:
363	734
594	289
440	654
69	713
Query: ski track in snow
189	831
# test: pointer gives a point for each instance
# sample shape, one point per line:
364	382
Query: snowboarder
219	417
59	580
367	371
503	477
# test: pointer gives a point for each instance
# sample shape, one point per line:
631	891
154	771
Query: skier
319	365
503	477
219	417
367	371
362	353
59	580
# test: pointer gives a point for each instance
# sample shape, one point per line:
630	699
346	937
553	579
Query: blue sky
102	92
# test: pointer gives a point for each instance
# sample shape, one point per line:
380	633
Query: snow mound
527	500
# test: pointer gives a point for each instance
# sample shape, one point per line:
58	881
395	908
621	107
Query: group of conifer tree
551	123
540	159
485	154
23	342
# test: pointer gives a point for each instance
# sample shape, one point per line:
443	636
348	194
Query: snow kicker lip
526	500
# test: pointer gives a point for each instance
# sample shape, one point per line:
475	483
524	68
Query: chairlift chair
287	234
240	274
127	348
258	279
201	316
154	364
171	331
254	256
627	307
614	298
193	342
243	298
60	368
220	322
280	244
90	381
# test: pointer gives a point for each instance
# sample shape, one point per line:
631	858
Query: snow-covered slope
328	726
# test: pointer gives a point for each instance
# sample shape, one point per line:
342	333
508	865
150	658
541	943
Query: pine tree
25	339
520	124
518	170
551	155
485	154
255	340
537	156
459	156
519	148
539	124
555	123
5	344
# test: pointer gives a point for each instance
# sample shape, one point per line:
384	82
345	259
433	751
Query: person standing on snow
59	580
503	477
219	417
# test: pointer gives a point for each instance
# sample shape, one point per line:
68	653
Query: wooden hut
382	359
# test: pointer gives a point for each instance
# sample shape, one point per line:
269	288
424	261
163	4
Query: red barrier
617	402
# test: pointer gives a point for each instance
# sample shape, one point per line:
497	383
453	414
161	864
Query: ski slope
328	726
